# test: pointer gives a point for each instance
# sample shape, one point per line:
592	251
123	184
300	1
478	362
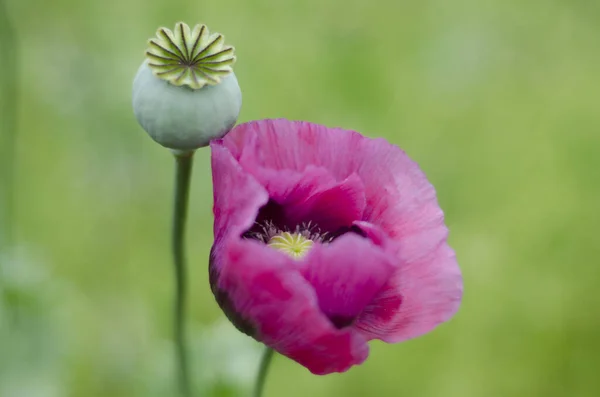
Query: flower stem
265	361
8	128
9	90
184	162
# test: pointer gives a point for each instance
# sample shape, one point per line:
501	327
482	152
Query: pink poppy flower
326	239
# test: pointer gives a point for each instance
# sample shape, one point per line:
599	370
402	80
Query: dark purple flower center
272	228
267	230
271	222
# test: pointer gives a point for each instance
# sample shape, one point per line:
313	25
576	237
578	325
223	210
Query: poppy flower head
324	240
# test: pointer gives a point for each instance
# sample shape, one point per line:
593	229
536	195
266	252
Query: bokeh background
497	100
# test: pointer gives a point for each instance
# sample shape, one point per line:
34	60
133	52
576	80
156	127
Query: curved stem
265	361
9	90
184	162
8	127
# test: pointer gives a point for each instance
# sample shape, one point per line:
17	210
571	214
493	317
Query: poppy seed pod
185	92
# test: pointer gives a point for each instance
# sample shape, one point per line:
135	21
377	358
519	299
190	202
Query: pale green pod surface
185	93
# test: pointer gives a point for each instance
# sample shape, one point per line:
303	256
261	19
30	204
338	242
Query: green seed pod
185	93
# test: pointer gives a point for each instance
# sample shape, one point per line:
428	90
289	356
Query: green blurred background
497	100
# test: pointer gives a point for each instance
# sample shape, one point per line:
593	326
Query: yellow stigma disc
295	245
